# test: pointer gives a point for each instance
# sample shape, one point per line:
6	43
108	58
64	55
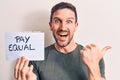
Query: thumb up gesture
91	54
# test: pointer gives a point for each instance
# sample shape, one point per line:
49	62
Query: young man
65	59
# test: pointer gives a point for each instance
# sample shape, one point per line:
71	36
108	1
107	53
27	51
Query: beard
62	45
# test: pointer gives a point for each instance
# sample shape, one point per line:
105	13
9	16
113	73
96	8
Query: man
65	59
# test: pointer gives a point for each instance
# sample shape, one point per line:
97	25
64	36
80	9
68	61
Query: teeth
63	35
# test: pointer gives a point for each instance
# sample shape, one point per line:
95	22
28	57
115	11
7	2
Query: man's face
63	26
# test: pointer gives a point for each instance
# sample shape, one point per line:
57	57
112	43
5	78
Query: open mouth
63	35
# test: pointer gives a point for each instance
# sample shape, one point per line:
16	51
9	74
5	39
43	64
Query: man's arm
91	55
94	73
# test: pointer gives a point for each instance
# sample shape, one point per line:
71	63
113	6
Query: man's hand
91	55
22	71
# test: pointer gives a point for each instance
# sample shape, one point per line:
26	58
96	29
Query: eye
69	21
57	21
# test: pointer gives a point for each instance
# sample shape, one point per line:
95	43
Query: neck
70	47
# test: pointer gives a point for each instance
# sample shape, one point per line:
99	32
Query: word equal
21	44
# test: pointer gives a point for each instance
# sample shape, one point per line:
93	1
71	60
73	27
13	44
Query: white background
99	22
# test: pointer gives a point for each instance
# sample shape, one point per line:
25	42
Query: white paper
27	44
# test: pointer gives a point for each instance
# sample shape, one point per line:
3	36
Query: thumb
103	51
29	74
31	68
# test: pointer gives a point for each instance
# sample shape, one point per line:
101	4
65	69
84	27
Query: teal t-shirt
59	66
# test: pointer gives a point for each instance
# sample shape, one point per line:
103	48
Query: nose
63	26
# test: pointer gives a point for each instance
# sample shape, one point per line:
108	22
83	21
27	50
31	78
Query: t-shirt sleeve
102	67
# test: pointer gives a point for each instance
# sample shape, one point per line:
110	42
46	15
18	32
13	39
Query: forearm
94	73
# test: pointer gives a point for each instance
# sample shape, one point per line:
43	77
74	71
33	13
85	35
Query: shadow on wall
38	21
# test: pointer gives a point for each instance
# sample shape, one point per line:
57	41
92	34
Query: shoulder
49	47
49	50
79	46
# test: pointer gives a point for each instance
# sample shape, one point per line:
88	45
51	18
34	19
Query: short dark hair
62	5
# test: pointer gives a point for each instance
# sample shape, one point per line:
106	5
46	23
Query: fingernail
108	47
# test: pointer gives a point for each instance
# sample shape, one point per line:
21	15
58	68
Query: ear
76	26
50	24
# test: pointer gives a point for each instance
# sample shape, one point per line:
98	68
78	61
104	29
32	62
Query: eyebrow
57	18
71	18
67	18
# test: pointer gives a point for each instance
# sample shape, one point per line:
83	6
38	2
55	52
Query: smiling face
63	26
